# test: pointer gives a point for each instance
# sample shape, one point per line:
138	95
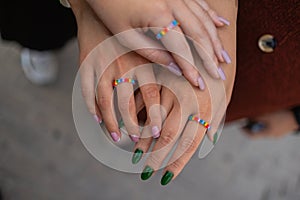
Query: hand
99	63
197	20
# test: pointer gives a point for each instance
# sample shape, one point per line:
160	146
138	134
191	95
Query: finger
105	102
151	97
127	110
196	30
209	26
219	21
187	145
139	102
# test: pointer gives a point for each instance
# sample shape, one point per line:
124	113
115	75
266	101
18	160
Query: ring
163	32
200	121
123	80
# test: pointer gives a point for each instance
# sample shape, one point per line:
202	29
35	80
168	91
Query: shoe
40	67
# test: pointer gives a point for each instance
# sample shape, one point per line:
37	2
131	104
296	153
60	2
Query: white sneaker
40	67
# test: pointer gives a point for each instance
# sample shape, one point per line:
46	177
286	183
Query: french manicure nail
155	132
134	138
137	156
201	83
215	138
226	57
97	119
115	137
221	73
224	21
172	67
147	173
166	178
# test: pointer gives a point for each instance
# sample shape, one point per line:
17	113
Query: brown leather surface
266	82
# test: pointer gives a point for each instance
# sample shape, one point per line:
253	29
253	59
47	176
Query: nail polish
172	67
134	138
224	21
137	156
221	73
215	138
97	119
115	137
226	57
166	178
201	83
155	132
121	123
147	173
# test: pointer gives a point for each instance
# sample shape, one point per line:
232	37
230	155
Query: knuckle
125	104
150	92
166	138
187	145
154	161
177	165
104	102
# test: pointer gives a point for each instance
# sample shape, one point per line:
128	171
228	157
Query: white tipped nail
224	21
201	83
226	57
221	73
172	67
155	132
134	138
97	119
115	137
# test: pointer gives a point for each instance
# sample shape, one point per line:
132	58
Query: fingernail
115	137
221	73
166	178
224	21
155	132
137	156
97	119
226	57
134	138
147	173
201	83
172	67
121	123
215	138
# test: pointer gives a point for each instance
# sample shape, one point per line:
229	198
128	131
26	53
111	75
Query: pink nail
134	138
221	73
115	137
155	132
201	83
174	69
226	57
224	21
98	120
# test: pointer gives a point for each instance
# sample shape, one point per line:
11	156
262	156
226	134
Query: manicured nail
137	156
155	132
215	138
97	119
121	123
224	21
147	173
115	137
134	138
201	83
226	57
172	67
221	73
166	178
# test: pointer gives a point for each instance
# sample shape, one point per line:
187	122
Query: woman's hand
104	64
197	20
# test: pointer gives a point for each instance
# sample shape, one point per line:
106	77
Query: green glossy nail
166	178
121	123
147	173
137	156
215	138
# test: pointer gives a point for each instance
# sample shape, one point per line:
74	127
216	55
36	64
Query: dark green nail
166	178
137	156
147	173
215	138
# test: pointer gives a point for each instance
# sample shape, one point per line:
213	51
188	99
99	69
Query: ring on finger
200	121
124	80
163	32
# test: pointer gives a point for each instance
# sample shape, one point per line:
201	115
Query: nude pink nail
172	67
155	132
224	21
226	57
98	120
134	138
201	83
115	137
221	73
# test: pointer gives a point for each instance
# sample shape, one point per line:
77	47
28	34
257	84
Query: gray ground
41	156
